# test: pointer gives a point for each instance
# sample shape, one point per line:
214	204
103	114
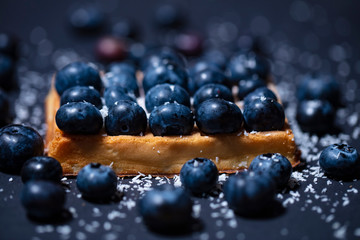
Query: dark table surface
301	37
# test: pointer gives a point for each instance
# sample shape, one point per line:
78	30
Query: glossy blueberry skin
249	85
216	115
171	74
275	165
258	93
315	116
212	90
81	94
41	168
122	67
117	93
210	76
4	109
18	143
86	18
166	208
264	114
199	175
163	56
125	118
43	199
77	74
320	87
243	65
249	193
163	93
125	80
7	70
9	45
340	161
171	119
79	118
96	182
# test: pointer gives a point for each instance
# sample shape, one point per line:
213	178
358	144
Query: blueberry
340	161
86	18
243	65
43	199
79	118
258	93
276	165
7	71
189	43
9	45
125	118
216	115
41	168
320	87
169	16
18	143
124	79
204	65
111	49
171	119
163	56
77	74
4	109
163	93
164	73
166	208
210	76
81	94
249	85
212	90
125	28
315	116
248	193
122	67
117	93
199	175
216	57
264	114
97	182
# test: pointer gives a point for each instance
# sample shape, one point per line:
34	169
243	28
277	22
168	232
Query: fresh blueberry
117	93
77	74
163	93
86	18
315	116
97	182
204	65
249	85
4	109
18	143
79	118
212	90
244	65
216	57
216	115
9	45
199	175
81	94
7	71
169	16
276	165
171	119
163	56
125	118
41	168
320	87
111	49
166	208
125	28
248	193
165	73
124	79
210	76
43	199
189	43
264	114
258	93
122	67
340	161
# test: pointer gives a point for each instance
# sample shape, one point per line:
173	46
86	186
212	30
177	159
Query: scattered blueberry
248	193
18	143
216	115
9	45
4	109
249	85
124	79
43	199
203	65
97	182
189	43
7	71
111	49
258	93
210	76
125	118
163	93
171	119
166	208
77	74
264	114
340	161
199	175
212	90
81	94
276	165
125	28
169	16
163	56
87	18
41	168
122	67
79	118
117	93
315	116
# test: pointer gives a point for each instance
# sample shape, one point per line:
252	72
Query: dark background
310	29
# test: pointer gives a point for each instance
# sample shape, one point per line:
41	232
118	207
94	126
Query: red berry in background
110	49
189	43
